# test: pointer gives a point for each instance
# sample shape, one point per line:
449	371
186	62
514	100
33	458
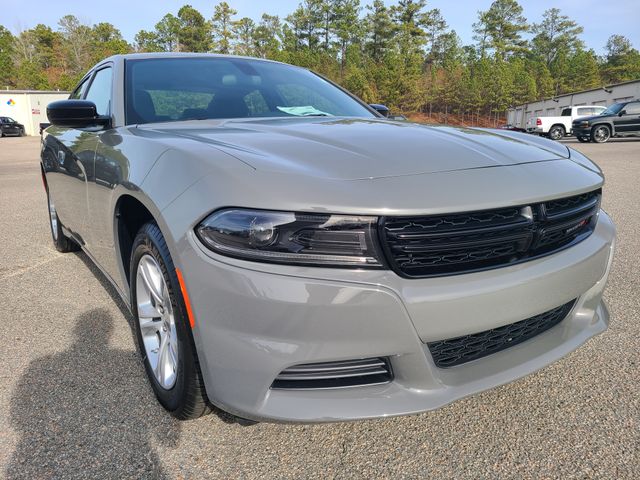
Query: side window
566	112
586	111
100	91
80	89
633	108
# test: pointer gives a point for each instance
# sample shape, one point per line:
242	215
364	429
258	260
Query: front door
629	121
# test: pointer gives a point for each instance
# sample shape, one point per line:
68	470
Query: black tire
21	134
600	133
556	132
584	139
62	243
187	398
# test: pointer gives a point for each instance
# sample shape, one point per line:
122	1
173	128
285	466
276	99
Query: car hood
591	118
353	149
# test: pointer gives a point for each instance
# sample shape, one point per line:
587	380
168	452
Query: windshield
613	109
172	89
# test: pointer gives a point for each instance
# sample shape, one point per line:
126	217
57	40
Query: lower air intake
342	374
459	350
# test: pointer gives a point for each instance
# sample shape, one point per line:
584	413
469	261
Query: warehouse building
620	92
28	107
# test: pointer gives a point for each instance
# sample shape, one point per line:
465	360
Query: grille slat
336	366
325	376
456	351
428	246
340	374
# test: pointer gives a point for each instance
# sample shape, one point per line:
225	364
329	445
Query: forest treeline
404	55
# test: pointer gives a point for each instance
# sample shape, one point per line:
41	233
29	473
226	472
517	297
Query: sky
600	19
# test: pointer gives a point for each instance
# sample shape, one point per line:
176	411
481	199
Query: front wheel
556	132
584	139
600	134
162	327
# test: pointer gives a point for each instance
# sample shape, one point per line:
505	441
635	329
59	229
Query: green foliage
500	29
622	60
7	68
222	25
194	31
399	53
556	33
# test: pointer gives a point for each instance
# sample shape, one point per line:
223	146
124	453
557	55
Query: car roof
144	56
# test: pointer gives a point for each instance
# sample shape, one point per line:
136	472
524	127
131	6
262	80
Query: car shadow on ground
88	412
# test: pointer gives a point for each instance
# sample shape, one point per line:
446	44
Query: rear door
629	121
68	155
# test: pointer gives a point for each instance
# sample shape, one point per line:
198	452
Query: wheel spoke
149	326
152	287
156	321
162	354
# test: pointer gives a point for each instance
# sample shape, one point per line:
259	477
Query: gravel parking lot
74	401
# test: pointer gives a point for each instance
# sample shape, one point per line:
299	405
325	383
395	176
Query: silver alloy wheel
601	134
53	218
157	322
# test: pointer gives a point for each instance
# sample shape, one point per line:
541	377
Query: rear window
584	111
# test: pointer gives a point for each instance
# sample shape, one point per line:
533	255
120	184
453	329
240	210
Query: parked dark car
619	120
8	126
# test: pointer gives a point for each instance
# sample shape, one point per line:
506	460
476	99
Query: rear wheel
162	328
62	243
600	133
584	139
556	132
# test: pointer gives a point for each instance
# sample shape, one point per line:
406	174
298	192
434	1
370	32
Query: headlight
298	238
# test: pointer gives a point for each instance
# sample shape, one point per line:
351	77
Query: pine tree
222	26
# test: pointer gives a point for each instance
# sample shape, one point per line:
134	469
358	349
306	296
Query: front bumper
253	321
581	132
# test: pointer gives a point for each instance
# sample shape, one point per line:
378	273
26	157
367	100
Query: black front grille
459	350
339	374
428	246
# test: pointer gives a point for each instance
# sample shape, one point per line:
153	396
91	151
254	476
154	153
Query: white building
28	107
620	92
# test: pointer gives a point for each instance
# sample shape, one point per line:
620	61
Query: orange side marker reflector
187	302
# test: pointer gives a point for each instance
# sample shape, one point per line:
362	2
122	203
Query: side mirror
622	112
75	114
381	109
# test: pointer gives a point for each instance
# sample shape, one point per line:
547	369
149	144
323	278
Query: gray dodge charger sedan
290	254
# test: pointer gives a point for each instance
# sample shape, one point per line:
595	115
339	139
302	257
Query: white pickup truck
557	127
